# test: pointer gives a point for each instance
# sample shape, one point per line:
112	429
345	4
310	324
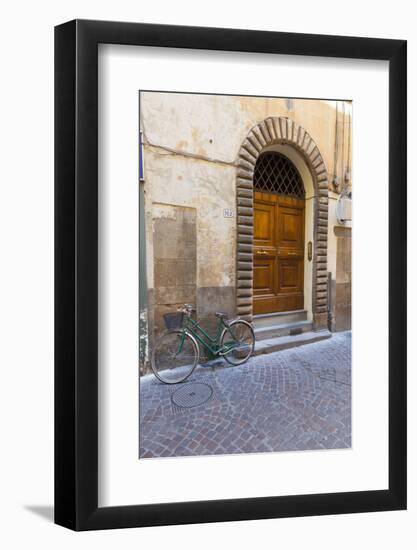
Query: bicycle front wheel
174	356
239	339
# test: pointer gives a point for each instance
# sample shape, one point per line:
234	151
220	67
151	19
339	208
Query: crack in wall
171	151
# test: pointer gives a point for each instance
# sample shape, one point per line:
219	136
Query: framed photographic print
230	314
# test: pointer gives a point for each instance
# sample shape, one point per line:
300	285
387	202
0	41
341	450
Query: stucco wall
191	144
215	126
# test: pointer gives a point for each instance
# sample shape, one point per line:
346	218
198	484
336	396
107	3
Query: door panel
278	253
291	226
265	233
288	275
264	277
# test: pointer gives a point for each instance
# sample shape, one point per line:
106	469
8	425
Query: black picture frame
76	272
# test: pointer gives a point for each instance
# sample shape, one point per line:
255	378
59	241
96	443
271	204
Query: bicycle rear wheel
174	356
240	338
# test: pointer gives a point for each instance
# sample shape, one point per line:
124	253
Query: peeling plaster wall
191	143
207	187
215	126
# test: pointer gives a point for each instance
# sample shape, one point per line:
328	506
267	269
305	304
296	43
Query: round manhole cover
191	395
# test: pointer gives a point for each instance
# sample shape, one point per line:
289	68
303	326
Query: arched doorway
282	133
278	239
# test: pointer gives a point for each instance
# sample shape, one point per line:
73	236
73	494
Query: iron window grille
275	173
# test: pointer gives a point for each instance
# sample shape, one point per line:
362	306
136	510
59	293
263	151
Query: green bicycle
176	352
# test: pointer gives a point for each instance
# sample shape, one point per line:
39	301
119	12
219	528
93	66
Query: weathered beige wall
178	181
209	188
215	126
191	147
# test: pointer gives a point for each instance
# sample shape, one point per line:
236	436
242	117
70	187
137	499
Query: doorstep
285	342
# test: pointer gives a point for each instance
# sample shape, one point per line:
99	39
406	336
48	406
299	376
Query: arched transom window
275	173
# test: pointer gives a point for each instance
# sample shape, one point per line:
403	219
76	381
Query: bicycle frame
210	343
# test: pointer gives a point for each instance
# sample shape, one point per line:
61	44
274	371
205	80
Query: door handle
261	252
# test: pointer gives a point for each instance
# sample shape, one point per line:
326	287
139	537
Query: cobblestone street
296	399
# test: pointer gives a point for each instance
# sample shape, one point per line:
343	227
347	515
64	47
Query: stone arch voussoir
271	131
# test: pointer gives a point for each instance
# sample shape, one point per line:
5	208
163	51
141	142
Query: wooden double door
278	253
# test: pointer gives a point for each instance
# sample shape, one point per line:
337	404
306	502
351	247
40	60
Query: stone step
283	317
285	342
282	329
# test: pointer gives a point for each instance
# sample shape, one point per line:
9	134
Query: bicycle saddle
221	314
